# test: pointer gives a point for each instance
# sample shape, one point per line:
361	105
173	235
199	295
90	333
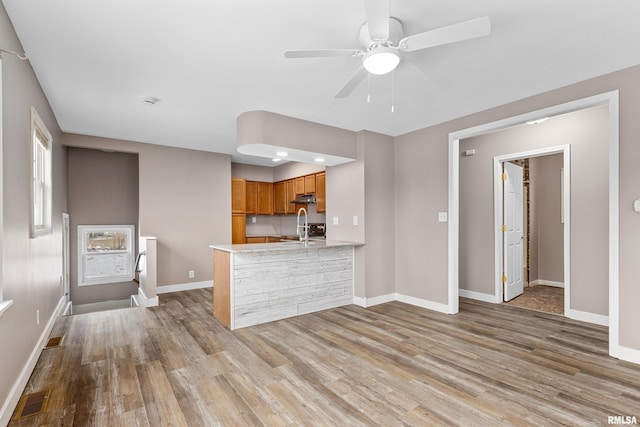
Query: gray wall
102	190
31	267
547	257
185	201
587	133
421	186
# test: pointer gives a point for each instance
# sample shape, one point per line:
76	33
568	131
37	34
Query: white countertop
292	245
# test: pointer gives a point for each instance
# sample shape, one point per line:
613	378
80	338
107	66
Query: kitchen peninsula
259	283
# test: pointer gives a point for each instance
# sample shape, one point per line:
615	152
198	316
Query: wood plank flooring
390	365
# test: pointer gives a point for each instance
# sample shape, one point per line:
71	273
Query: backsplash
279	224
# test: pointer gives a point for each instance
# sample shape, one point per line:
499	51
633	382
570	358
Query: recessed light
282	154
538	121
276	159
319	159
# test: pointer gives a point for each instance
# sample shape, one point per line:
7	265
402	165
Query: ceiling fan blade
377	18
353	82
474	28
322	53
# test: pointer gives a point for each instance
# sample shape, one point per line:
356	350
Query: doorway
537	249
610	100
66	265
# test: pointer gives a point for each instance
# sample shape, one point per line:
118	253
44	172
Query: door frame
611	99
498	213
66	262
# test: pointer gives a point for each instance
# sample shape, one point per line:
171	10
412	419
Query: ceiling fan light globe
381	61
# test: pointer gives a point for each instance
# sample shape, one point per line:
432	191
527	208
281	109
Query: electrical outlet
37	317
336	220
442	216
355	220
192	274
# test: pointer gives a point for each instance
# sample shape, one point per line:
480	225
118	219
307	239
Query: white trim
498	201
4	305
629	354
46	204
614	225
143	301
584	316
369	302
479	296
541	282
16	391
611	100
423	303
184	287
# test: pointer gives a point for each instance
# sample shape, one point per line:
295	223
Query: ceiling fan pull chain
368	88
393	97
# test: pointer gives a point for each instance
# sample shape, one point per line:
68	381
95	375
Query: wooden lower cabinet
238	228
256	239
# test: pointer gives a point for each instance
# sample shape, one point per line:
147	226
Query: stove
317	229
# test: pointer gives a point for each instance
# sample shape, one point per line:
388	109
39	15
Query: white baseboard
479	296
547	283
584	316
629	354
18	387
430	305
369	302
143	301
184	287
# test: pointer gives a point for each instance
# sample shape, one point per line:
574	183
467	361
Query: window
41	143
105	254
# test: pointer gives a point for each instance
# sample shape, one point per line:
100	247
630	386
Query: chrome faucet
304	236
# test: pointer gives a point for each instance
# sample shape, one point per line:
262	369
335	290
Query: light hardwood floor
392	364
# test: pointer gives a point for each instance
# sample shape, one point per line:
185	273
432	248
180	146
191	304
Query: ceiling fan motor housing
395	34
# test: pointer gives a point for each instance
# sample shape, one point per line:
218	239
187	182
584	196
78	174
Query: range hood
305	199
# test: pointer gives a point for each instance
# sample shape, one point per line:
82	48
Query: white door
65	257
513	233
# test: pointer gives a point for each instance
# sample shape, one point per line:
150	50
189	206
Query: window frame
41	144
129	275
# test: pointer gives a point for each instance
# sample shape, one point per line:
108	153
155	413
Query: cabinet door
279	198
321	196
238	228
310	184
299	185
265	198
238	195
290	194
251	189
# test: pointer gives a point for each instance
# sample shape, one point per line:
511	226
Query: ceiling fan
383	41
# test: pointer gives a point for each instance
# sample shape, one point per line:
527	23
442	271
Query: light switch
253	219
355	220
336	220
442	217
636	205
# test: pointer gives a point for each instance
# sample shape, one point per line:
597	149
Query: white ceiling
209	61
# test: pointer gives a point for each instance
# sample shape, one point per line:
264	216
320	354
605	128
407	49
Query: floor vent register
32	404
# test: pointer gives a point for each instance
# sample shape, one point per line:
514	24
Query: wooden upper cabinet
310	183
265	198
321	195
251	190
289	195
238	195
299	185
279	198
